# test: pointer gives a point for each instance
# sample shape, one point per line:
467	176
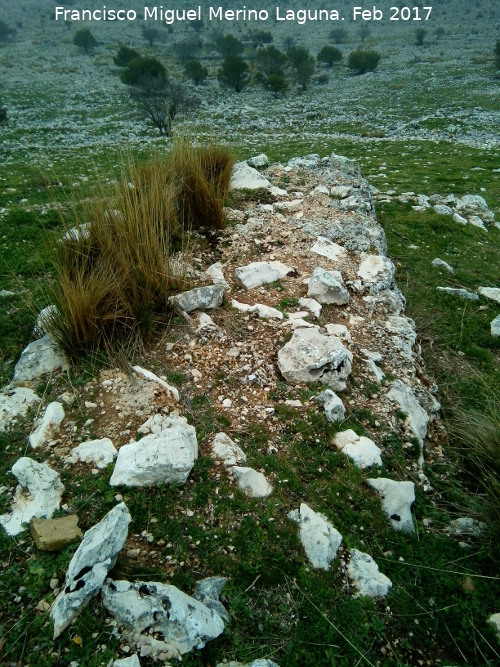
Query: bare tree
162	101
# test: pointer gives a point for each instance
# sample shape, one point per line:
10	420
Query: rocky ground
295	315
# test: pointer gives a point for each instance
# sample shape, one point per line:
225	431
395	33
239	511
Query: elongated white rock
148	375
319	538
366	577
89	566
48	426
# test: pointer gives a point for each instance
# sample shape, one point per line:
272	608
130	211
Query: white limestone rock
37	495
208	590
327	287
91	562
265	312
334	408
215	273
15	403
495	327
261	273
183	622
311	305
494	621
164	457
148	375
474	202
99	453
465	525
459	219
417	416
397	499
245	177
44	320
252	483
491	293
339	331
131	661
260	161
363	451
39	358
321	541
460	292
200	298
205	323
340	191
312	357
227	451
476	221
260	662
441	264
376	272
49	425
366	577
329	249
442	209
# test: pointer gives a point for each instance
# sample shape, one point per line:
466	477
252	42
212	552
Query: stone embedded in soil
148	375
200	298
397	499
164	457
99	453
207	591
260	161
215	273
131	661
461	293
328	249
253	484
14	404
334	408
417	416
39	358
491	293
55	534
265	312
495	327
91	562
494	622
327	287
256	274
311	305
245	177
183	622
363	451
376	272
49	425
466	526
441	264
321	541
311	356
366	577
224	449
37	495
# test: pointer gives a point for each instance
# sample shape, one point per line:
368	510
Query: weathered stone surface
495	327
341	191
200	298
329	249
260	161
148	375
14	403
459	218
417	416
312	305
131	661
226	450
252	483
44	320
321	541
164	457
334	408
99	453
49	425
461	293
366	577
261	273
441	264
207	591
376	272
312	357
215	273
491	293
37	495
245	177
363	451
39	358
327	287
465	525
55	534
397	499
89	566
184	623
442	209
266	312
474	202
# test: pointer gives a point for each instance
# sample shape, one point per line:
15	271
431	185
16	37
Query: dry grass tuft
117	272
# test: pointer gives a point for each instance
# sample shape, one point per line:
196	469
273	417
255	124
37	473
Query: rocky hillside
262	484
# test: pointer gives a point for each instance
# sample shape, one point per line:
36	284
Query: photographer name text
168	16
